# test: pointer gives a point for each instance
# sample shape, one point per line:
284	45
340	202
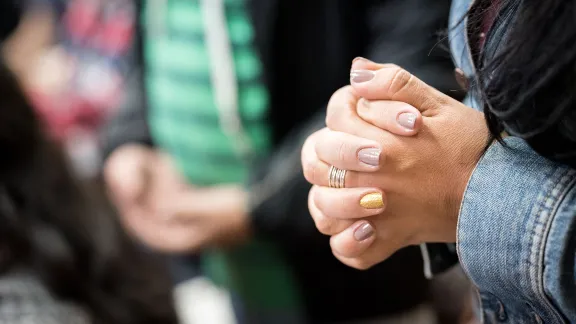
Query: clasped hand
159	208
409	151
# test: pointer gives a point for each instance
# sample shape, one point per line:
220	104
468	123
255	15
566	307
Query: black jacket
307	47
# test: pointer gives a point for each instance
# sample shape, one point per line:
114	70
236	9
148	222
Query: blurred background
208	102
72	60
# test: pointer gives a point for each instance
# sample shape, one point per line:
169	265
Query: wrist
239	220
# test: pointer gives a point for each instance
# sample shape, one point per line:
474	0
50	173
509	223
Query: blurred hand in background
160	209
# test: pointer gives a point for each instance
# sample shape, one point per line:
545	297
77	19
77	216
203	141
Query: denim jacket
517	223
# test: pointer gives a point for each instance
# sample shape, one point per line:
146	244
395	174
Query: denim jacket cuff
507	223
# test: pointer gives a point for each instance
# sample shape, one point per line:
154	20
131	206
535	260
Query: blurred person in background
73	57
204	154
64	257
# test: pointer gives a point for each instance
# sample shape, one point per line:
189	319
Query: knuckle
342	151
431	105
399	80
319	200
339	106
307	149
342	93
337	116
361	179
310	169
384	118
324	225
333	105
331	117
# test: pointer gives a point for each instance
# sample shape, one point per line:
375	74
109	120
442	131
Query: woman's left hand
414	192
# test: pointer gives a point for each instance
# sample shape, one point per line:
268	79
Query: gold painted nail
372	201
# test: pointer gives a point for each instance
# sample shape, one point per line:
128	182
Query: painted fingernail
407	120
363	232
360	76
372	201
370	156
361	59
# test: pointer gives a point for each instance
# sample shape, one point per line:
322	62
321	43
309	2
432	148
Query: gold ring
336	178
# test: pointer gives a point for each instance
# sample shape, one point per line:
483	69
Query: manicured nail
370	156
407	120
363	232
361	59
360	76
372	201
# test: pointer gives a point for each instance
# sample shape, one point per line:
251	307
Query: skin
30	40
167	214
163	211
422	176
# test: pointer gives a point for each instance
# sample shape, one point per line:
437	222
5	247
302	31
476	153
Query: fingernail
370	156
407	120
363	232
372	201
361	59
360	76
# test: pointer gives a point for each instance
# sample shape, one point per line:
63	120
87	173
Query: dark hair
73	244
528	77
10	11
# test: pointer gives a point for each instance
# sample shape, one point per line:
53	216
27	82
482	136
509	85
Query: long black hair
527	73
52	227
10	12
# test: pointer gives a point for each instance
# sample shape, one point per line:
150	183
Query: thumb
374	81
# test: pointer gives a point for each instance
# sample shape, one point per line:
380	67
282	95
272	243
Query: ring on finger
336	178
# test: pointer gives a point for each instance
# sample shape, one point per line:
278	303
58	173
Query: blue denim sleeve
517	236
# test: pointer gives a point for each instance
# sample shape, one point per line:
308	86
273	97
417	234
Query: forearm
517	233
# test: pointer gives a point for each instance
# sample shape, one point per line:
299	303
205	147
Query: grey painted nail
407	120
364	232
370	156
360	76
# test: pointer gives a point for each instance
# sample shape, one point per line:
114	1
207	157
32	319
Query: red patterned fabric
96	36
